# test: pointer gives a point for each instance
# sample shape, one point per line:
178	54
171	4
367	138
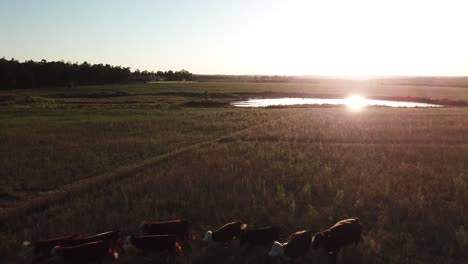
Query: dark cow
341	234
174	227
110	238
225	233
94	252
150	244
40	250
296	246
260	236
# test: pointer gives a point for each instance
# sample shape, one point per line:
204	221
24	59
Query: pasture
91	159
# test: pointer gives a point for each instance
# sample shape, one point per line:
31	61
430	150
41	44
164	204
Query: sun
355	102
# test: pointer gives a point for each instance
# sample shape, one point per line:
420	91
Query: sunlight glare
360	38
355	102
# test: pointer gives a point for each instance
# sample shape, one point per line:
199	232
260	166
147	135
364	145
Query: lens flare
356	102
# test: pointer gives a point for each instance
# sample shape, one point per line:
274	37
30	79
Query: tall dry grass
403	172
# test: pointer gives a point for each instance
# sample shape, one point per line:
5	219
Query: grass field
403	172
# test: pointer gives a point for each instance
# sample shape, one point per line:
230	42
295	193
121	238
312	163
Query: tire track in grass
42	201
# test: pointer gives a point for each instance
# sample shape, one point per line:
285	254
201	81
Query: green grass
403	172
52	148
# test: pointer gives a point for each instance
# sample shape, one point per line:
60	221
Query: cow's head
54	251
208	236
277	250
243	233
128	246
319	240
27	250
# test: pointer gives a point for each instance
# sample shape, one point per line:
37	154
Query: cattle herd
172	238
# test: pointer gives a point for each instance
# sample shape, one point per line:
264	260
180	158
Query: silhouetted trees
31	74
179	76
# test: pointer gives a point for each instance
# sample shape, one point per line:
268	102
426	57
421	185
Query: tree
31	74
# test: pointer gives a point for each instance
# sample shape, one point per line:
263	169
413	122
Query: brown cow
260	236
173	227
40	250
341	234
225	233
296	246
110	238
154	243
94	252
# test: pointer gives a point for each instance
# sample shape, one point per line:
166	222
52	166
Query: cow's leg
357	241
333	257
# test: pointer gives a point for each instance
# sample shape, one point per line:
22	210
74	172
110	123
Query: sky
277	37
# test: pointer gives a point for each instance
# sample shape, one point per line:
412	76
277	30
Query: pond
353	102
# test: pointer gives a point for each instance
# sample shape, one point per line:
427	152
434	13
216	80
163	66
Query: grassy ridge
402	171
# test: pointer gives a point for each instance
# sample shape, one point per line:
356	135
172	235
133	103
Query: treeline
181	75
245	78
32	74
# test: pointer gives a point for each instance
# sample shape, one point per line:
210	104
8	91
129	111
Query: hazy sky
322	37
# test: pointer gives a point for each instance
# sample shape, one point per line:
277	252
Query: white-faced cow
94	252
296	246
341	234
40	250
225	233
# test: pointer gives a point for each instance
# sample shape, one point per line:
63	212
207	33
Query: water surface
354	102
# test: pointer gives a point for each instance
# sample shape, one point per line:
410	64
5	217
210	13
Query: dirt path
43	200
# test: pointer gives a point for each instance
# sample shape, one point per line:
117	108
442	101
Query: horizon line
338	76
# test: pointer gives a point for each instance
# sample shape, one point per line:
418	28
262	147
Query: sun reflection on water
356	102
353	103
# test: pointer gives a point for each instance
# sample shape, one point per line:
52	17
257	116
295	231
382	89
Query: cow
110	238
341	234
225	233
152	244
173	227
40	250
297	245
260	236
94	252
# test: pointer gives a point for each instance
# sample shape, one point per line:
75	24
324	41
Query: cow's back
227	232
298	244
175	227
345	232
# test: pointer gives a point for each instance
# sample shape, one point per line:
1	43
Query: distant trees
181	75
31	74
